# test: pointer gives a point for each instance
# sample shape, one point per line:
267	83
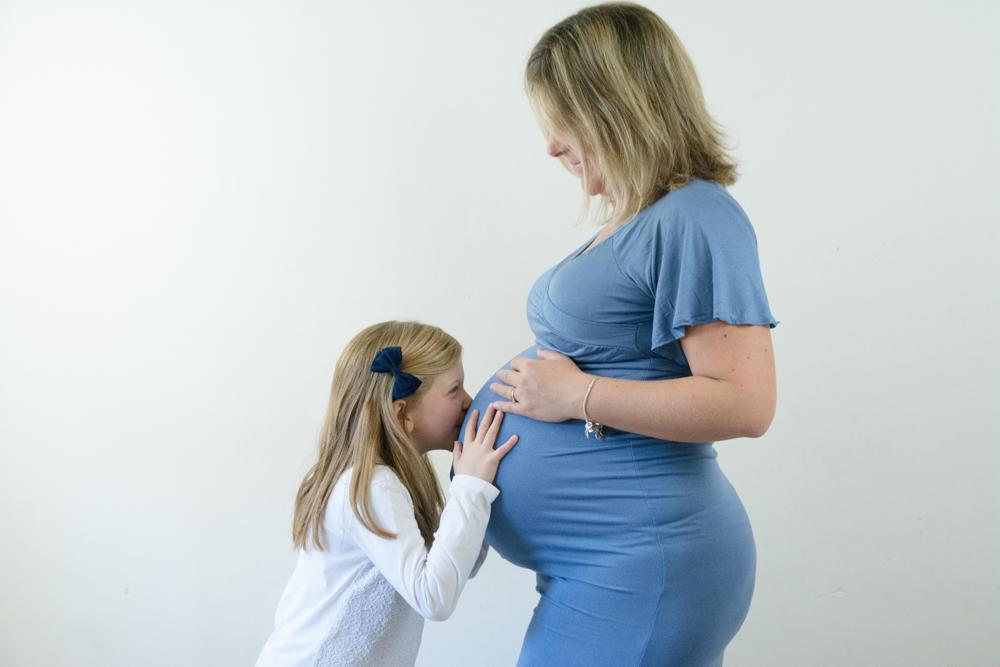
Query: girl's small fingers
506	447
470	427
491	434
487	419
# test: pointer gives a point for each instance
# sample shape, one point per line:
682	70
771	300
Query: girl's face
560	149
435	420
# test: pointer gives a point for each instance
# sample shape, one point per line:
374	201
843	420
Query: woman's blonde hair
616	81
362	429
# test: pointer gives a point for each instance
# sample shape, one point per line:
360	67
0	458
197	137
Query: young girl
377	554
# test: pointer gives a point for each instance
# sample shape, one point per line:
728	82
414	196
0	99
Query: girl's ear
404	418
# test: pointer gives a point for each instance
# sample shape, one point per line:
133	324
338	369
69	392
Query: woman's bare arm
731	392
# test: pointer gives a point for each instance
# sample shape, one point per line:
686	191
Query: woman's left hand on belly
550	388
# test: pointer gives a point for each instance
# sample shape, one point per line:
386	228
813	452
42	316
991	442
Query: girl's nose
554	148
466	400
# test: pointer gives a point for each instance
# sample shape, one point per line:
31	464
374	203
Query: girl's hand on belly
550	388
477	456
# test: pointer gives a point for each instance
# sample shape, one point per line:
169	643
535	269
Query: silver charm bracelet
591	426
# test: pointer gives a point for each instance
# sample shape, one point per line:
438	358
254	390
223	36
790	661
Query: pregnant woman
652	342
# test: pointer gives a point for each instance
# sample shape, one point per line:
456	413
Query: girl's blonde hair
615	81
362	429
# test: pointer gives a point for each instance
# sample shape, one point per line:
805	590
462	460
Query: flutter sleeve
701	265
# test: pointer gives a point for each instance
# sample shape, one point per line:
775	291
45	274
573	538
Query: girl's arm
731	392
481	559
429	580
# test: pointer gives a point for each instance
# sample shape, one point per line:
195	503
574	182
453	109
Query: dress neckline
587	247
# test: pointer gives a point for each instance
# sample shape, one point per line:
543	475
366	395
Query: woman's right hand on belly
476	456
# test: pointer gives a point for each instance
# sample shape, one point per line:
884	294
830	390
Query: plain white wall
201	202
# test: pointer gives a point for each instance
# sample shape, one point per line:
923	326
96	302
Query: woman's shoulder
703	208
700	203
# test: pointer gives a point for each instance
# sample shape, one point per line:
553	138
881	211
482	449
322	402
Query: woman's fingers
513	408
519	363
501	389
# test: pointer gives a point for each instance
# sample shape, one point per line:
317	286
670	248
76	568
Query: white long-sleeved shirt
363	600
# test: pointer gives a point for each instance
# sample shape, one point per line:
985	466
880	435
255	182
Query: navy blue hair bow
390	360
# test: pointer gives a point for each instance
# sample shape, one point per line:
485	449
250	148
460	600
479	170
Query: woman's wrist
590	427
579	394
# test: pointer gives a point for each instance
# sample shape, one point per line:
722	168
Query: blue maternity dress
643	552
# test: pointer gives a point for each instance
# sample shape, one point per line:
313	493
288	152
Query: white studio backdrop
201	202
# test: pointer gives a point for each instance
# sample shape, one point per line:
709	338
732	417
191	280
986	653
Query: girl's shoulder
383	474
339	511
380	471
383	479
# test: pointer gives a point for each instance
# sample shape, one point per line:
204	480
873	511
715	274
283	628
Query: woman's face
561	150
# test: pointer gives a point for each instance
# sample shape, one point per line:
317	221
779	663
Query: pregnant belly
586	509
